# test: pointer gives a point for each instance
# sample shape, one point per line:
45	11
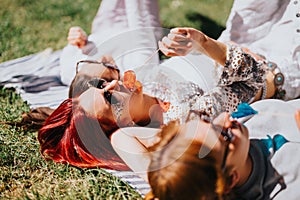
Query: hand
181	41
77	37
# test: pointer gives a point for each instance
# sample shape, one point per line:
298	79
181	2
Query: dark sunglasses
226	133
100	84
105	64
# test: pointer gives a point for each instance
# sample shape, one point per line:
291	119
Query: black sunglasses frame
99	83
226	133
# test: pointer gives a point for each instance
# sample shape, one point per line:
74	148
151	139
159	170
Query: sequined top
239	81
272	29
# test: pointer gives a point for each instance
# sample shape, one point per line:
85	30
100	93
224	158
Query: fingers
176	43
175	49
182	31
77	37
111	86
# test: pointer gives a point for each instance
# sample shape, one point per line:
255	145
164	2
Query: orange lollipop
129	79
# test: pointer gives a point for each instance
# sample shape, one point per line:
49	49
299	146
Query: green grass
30	26
24	174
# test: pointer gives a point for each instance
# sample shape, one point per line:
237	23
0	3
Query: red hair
70	136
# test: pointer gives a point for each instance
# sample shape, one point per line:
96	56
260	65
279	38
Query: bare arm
181	41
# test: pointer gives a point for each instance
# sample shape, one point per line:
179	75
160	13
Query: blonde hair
177	172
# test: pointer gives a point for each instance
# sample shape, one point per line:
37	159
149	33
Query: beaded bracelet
278	82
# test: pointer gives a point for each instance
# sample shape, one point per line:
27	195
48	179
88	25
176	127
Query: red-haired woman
160	99
63	141
78	131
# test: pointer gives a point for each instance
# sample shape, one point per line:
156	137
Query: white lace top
239	80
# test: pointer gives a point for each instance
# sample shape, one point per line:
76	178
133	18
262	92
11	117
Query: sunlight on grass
28	27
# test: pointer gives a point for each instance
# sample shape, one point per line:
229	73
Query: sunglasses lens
97	83
108	96
100	84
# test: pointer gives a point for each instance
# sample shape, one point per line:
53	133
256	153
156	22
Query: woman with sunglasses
215	159
155	100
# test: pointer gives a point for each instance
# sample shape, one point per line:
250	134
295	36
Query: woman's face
112	113
211	136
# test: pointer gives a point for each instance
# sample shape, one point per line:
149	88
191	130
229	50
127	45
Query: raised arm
181	41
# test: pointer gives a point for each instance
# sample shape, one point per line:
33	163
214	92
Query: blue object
243	110
273	144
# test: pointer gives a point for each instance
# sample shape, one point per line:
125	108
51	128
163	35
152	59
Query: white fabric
277	117
121	28
274	117
272	29
19	72
199	69
123	14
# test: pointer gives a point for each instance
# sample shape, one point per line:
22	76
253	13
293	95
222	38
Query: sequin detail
241	78
239	81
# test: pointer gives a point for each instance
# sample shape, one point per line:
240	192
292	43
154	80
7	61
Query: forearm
181	41
214	49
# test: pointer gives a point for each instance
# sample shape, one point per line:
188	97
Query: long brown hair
177	172
70	136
